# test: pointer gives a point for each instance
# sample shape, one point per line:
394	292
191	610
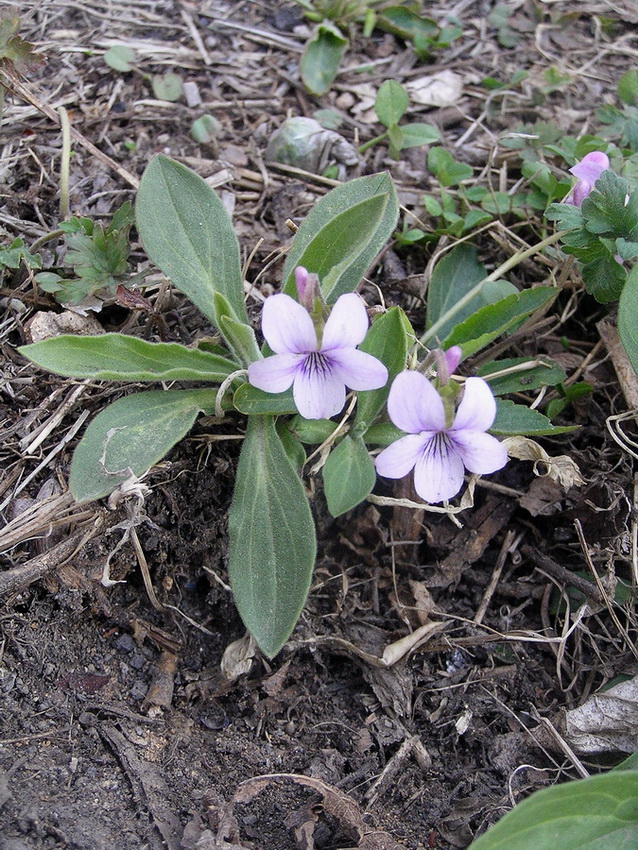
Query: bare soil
119	725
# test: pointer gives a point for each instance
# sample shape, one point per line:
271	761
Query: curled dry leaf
238	657
334	803
45	325
606	723
561	468
441	89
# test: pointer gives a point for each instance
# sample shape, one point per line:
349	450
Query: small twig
569	578
65	163
16	579
17	87
496	575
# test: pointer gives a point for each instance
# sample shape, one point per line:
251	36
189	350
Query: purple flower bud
588	170
453	358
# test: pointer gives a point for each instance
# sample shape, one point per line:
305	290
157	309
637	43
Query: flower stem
495	275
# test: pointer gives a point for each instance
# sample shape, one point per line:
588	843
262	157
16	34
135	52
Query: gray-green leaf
597	813
188	234
343	233
348	475
117	357
627	317
131	435
272	538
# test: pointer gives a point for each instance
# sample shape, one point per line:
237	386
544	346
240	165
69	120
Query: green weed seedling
390	105
335	19
97	255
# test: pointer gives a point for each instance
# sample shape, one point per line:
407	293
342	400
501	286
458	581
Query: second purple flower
318	363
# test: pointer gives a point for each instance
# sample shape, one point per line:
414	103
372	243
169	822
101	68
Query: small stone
191	93
125	643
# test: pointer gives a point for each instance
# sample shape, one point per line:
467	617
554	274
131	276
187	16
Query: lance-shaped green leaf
489	322
628	317
253	401
524	375
239	335
597	813
188	234
131	435
117	357
453	278
322	57
312	431
348	475
272	538
388	339
343	233
519	420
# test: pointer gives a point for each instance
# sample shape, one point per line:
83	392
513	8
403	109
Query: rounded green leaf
418	133
348	475
131	435
597	813
391	103
120	58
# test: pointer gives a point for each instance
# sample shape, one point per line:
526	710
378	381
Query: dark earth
119	724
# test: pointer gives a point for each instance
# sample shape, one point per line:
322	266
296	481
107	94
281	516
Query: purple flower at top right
588	170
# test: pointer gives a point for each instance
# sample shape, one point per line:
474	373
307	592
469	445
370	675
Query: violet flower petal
318	390
414	405
358	370
275	374
438	474
347	323
591	167
399	458
477	409
287	326
480	453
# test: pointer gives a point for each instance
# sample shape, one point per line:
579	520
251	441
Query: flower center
316	363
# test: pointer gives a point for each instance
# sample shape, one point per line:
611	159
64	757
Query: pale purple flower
319	370
588	170
438	453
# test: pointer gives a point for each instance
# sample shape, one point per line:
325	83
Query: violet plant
321	359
